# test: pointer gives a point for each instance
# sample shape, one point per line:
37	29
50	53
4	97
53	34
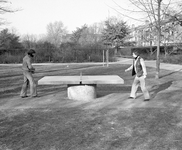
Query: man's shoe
24	96
146	99
131	97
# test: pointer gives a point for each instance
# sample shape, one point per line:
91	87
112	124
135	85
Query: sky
34	15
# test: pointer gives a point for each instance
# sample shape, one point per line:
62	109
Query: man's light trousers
139	81
28	80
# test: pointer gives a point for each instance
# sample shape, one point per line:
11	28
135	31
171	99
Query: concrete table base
81	87
81	92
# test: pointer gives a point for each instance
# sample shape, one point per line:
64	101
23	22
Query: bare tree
95	31
154	11
29	41
88	34
56	32
5	8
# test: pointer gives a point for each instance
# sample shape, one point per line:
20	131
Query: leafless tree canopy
5	7
148	9
55	32
155	11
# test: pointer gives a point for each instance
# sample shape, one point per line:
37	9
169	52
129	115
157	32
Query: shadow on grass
41	90
77	129
110	89
10	92
171	73
161	87
48	90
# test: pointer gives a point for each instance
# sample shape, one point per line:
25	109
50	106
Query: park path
149	63
152	63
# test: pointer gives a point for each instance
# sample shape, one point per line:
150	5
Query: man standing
139	69
28	70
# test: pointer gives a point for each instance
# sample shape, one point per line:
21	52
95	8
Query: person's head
135	54
31	52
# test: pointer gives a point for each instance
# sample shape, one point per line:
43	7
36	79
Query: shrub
9	58
96	58
173	59
148	56
126	51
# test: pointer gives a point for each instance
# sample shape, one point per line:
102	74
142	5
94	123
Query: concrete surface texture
81	87
82	92
101	79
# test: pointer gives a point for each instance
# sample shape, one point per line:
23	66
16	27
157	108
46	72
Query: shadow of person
106	90
158	88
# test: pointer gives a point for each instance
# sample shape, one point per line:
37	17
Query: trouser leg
143	88
134	87
28	80
33	87
24	86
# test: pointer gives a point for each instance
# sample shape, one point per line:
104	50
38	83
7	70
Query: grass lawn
109	122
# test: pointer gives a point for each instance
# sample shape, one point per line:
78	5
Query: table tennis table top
94	79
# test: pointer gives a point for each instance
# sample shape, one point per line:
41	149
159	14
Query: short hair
136	52
31	51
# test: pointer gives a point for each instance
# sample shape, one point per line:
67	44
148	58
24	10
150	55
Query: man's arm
130	68
29	63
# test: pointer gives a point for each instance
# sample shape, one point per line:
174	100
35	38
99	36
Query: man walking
139	69
28	70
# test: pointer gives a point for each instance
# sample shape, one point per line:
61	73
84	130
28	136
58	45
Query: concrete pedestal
82	92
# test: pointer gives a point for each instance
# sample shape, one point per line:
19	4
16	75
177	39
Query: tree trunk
158	41
158	58
151	49
107	57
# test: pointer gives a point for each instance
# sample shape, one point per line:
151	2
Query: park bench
81	87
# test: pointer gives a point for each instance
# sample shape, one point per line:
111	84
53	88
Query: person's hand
144	76
32	70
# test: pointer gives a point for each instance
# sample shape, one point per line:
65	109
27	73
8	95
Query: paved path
149	63
152	63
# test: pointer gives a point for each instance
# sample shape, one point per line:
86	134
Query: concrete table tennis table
81	87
